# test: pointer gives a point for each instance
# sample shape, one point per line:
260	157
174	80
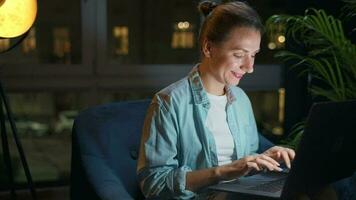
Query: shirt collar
198	91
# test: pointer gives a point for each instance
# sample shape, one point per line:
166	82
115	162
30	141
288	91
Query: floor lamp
17	17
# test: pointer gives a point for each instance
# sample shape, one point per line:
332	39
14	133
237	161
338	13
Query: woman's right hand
244	165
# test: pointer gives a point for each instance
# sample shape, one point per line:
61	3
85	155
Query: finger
275	154
286	158
291	153
270	159
266	164
250	158
253	165
278	155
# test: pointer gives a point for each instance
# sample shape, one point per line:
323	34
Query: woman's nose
248	64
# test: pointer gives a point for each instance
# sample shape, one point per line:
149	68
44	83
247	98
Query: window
163	32
121	35
44	124
183	35
4	44
55	38
29	43
61	45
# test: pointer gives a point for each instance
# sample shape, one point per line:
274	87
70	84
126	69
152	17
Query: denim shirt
175	139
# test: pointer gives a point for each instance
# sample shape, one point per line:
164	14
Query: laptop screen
327	149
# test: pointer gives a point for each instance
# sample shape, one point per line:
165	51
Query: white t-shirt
216	122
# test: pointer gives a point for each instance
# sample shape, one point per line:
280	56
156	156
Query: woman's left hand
281	154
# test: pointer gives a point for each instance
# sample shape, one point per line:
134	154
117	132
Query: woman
201	130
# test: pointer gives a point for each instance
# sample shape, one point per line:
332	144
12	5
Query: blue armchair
105	145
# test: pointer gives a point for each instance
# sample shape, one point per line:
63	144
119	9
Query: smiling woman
201	130
225	63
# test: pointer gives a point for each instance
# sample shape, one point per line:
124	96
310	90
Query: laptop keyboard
272	186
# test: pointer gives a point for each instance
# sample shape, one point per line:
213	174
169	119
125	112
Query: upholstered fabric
105	148
105	145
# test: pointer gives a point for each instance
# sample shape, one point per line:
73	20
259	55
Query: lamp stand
6	111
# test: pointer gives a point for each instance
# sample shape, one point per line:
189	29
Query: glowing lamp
16	17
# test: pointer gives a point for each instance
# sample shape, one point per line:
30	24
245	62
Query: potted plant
327	56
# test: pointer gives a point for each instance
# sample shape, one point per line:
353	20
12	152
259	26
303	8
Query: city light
272	45
281	39
183	25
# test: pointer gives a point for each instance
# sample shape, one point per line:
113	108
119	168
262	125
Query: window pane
44	123
159	32
54	38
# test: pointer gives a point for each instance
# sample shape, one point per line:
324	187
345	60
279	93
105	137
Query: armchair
105	145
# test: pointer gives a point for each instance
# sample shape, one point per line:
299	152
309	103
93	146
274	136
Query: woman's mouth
237	75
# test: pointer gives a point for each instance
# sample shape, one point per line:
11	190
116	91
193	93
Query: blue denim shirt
175	139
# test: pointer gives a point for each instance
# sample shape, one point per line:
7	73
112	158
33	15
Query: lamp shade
16	17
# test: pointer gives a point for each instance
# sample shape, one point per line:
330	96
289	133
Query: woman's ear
206	48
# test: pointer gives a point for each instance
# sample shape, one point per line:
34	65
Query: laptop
325	154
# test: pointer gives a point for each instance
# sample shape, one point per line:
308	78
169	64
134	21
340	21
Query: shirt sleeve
159	172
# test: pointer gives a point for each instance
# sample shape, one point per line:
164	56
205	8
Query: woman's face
230	60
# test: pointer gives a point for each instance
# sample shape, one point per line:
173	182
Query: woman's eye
239	55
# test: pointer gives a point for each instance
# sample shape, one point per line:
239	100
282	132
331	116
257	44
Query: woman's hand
198	179
244	165
281	154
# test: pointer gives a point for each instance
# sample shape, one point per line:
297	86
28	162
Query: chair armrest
105	183
346	187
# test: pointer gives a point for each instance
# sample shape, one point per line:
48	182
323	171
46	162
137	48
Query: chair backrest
105	145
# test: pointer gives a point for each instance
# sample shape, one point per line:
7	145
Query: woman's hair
221	19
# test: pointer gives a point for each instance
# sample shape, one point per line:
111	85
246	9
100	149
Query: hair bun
206	7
